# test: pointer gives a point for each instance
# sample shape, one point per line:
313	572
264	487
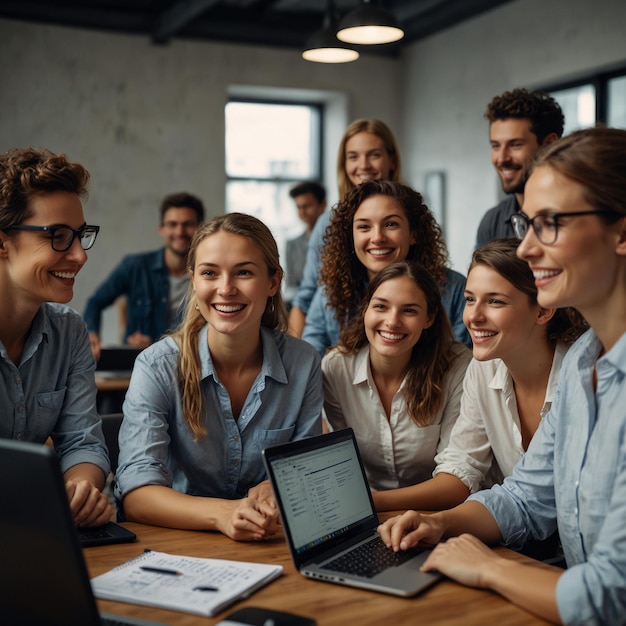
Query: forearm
296	322
470	517
164	506
441	492
528	585
86	471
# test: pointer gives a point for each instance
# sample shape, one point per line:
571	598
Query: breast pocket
266	438
49	404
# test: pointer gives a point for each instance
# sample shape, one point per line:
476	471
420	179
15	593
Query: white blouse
486	441
396	452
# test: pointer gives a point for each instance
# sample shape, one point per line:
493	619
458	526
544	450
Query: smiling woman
47	384
396	377
204	402
376	224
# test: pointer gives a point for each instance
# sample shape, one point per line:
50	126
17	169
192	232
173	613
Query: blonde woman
203	403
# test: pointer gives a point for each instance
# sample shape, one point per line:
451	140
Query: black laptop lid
43	578
322	492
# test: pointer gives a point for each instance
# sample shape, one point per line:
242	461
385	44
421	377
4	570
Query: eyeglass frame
522	218
52	230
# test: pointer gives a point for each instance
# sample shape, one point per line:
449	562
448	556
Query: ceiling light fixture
323	45
369	25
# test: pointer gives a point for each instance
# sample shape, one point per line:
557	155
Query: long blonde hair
274	316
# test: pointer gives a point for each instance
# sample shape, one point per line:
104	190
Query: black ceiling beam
170	22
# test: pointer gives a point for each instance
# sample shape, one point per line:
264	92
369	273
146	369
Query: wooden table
444	603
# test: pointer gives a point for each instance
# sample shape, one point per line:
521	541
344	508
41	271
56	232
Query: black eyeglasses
62	237
546	225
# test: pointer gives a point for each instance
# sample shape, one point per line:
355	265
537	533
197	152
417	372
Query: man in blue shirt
155	282
520	124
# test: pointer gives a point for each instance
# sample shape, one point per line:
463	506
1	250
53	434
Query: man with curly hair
520	124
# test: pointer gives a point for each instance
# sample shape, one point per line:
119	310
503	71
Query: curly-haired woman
376	224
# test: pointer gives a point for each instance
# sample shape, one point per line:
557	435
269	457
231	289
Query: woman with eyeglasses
573	477
47	384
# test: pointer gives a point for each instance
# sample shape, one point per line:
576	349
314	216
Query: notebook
329	518
44	577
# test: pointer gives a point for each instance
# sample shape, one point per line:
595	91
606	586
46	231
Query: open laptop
43	573
116	361
329	518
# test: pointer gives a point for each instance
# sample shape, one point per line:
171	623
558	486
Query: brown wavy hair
26	173
566	325
431	356
374	127
274	316
342	274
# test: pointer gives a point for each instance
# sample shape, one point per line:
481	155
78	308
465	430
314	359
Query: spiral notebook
182	583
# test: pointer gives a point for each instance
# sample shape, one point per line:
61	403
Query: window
578	105
600	97
616	102
270	146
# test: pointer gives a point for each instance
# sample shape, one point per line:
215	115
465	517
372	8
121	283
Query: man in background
154	283
310	199
520	124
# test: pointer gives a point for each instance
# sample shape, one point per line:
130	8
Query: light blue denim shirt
574	474
313	263
157	447
322	329
52	393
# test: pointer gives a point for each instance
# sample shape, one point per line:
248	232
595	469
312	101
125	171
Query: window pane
579	106
272	204
271	140
617	102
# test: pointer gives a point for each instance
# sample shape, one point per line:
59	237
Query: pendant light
323	45
369	24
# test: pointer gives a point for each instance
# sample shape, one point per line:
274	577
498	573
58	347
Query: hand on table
89	506
249	519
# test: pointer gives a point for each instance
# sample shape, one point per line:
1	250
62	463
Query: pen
205	588
160	570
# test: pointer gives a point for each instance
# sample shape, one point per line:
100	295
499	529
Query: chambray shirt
322	328
574	475
52	393
157	447
312	264
144	279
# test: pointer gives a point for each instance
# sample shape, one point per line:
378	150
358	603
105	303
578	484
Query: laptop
116	361
44	577
329	518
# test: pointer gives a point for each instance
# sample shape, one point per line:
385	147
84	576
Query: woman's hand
407	530
465	559
249	519
89	506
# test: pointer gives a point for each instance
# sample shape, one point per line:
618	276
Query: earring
197	307
270	305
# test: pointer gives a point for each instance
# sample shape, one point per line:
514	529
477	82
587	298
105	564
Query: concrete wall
148	120
449	79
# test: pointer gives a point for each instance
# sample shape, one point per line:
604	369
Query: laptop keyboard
370	559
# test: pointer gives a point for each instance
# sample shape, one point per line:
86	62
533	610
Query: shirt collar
502	378
272	367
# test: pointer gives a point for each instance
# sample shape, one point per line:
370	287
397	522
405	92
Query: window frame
319	158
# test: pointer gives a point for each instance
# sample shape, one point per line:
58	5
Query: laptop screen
321	489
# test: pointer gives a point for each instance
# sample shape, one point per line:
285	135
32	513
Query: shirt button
235	462
19	436
20	408
236	438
